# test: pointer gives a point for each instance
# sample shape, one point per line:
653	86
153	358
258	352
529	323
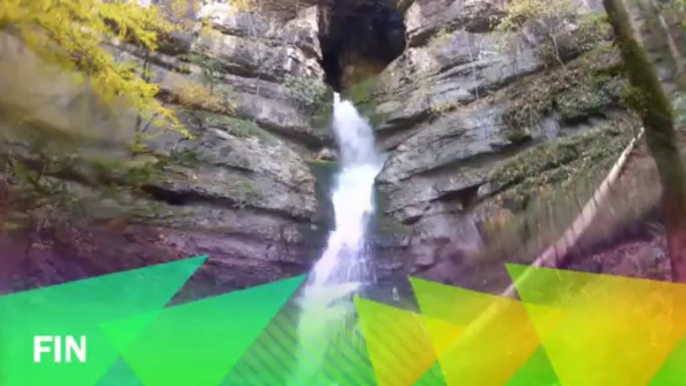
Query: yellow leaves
499	220
192	94
128	20
520	11
11	12
242	5
72	33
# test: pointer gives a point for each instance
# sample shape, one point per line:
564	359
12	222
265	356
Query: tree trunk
655	108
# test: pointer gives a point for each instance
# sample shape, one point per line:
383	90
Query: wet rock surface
457	108
240	191
462	103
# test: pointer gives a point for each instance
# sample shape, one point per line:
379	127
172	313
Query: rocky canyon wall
479	123
475	123
240	191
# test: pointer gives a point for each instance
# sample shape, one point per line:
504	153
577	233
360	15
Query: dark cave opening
359	38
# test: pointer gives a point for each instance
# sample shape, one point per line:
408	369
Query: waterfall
326	301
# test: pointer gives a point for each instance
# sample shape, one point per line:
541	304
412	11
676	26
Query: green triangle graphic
673	371
346	362
120	374
76	310
123	333
537	371
199	342
433	377
332	352
272	358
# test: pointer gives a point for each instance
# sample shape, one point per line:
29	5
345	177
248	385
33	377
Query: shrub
558	22
309	92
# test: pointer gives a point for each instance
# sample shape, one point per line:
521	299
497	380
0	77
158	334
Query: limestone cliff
475	122
240	191
465	113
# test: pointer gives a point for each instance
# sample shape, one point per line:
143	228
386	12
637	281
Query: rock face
241	190
464	114
359	36
257	55
465	101
248	200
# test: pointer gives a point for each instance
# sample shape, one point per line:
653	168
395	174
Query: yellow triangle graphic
545	320
399	342
442	334
616	330
499	337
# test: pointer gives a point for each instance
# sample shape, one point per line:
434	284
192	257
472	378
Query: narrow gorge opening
359	38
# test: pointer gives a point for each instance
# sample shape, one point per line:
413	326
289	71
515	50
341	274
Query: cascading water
326	301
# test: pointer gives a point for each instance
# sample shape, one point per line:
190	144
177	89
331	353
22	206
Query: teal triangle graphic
300	349
120	375
67	317
537	371
272	358
332	349
673	371
346	361
121	336
199	342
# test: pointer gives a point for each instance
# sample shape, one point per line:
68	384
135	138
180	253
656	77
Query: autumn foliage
73	35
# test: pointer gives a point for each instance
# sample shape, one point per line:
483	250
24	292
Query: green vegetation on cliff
588	86
561	164
539	193
362	95
552	19
238	127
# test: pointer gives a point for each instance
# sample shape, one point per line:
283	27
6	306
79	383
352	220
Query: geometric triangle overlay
199	342
498	337
570	328
402	345
673	372
616	330
120	374
270	359
537	371
67	317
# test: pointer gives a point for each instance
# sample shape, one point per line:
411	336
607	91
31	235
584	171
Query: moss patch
244	192
558	165
363	96
385	228
324	173
66	190
241	128
322	112
587	87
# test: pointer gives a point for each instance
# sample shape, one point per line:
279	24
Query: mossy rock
322	114
384	228
589	95
241	128
71	189
387	230
517	135
244	192
587	87
362	92
363	95
325	174
561	164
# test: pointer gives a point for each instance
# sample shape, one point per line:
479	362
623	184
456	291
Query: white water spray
326	302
